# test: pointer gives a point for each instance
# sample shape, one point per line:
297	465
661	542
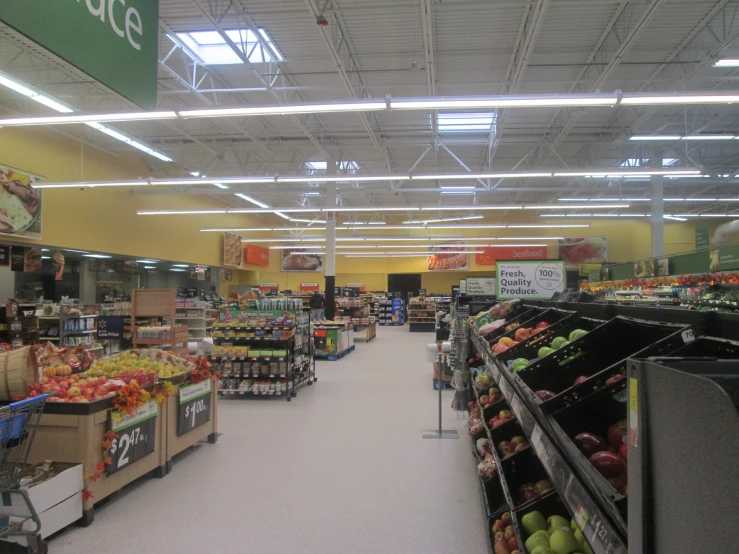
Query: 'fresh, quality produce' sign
530	280
480	286
194	410
136	436
113	41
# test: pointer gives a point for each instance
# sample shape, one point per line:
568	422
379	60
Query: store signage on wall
421	292
232	250
256	255
490	255
114	41
585	269
480	286
583	250
309	286
110	327
359	286
702	236
530	280
4	255
268	286
32	260
20	203
301	260
17	258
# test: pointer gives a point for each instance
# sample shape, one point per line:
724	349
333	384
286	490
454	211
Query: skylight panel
467	122
210	48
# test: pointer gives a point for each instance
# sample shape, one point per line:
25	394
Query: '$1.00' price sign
194	409
136	436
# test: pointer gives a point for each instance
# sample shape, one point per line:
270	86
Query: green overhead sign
114	41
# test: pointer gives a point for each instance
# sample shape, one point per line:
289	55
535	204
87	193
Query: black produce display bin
524	467
549	504
598	355
595	414
519	314
683	453
530	349
551	316
708	347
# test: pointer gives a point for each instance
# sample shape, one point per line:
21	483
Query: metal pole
441	371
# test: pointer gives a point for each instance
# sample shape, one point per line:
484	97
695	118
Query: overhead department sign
530	280
113	41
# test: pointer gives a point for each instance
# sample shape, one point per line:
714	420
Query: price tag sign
688	335
597	532
505	389
496	373
523	414
195	406
136	436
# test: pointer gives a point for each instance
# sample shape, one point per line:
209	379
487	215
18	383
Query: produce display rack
544	459
242	374
333	340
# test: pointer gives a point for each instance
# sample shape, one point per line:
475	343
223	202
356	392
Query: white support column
658	216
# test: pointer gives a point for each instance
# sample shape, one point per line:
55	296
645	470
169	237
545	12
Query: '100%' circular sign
550	276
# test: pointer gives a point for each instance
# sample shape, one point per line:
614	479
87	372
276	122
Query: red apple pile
528	491
142	377
504	536
500	418
493	396
73	389
516	444
486	468
608	457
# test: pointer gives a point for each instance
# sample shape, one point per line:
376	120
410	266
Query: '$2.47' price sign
136	436
194	410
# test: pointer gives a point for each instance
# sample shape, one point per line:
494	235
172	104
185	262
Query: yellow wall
105	220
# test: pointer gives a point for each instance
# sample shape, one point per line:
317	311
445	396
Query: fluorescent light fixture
589	206
674	218
78	251
519	101
180	265
221	186
709	137
101	256
150	267
129	140
426	239
289	109
460	192
661	99
179	270
458	188
195	173
655	137
45	257
283	216
87	118
146	261
292	247
311	194
377	223
364	223
390	227
314	221
45	250
727	62
19	87
252	200
444	220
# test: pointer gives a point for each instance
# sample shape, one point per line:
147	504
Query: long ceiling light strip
380	209
667	216
595	173
434	239
682	137
399	227
401	104
459	245
668	199
60	107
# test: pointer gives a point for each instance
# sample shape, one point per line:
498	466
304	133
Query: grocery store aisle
342	468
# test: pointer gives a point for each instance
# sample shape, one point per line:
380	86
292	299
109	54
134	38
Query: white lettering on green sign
131	22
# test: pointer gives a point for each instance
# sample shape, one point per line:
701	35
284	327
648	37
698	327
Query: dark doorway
404	283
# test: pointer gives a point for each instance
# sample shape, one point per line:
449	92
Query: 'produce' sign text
530	280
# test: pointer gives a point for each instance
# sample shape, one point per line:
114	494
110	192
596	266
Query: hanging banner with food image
297	259
20	204
32	260
232	250
58	259
583	250
644	268
441	261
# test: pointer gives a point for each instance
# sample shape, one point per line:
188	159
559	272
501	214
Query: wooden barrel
17	370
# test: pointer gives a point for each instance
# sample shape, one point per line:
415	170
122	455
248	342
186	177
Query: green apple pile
554	535
521	364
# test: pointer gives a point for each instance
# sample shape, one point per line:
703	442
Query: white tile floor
342	468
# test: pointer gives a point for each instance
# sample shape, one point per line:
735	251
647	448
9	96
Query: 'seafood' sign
530	280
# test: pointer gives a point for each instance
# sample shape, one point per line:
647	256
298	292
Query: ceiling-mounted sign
309	286
480	286
114	41
256	255
530	280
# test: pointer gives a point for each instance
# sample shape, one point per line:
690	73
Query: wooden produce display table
77	439
192	416
367	332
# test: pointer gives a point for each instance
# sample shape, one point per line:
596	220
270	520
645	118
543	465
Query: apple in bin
505	448
504	414
498	526
521	334
617	433
513	543
608	464
506	518
623	451
541	325
501	547
509	532
545	395
589	443
580	379
614	379
498	536
520	446
542	486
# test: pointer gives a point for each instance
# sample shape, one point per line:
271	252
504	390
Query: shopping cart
18	423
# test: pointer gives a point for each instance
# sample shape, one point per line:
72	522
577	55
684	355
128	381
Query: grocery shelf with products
421	314
262	352
390	311
193	313
562	389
